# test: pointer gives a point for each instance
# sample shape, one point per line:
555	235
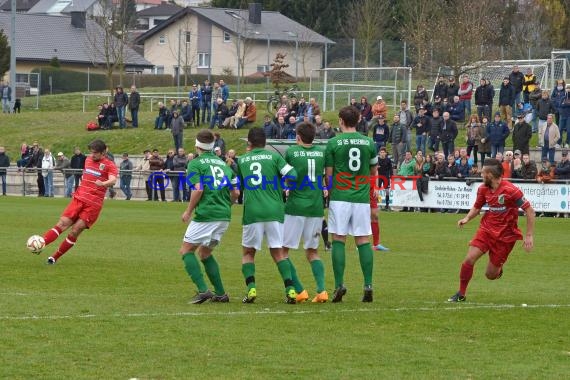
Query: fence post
325	91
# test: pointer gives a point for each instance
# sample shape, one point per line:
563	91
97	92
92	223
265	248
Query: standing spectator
379	108
436	123
206	104
121	100
36	163
126	174
186	112
522	133
558	93
6	94
516	78
64	165
220	114
219	143
162	117
327	132
529	83
484	99
77	164
216	94
109	155
134	104
144	168
497	132
422	126
169	169
250	114
385	171
112	115
534	96
456	109
406	119
380	133
48	164
177	130
544	106
398	139
269	128
365	109
473	137
506	99
564	124
452	89
195	97
465	93
156	163
4	163
420	95
440	88
548	137
179	165
448	134
562	170
225	89
498	231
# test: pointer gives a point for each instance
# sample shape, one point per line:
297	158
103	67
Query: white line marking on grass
279	312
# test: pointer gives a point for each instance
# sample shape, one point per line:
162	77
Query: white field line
453	308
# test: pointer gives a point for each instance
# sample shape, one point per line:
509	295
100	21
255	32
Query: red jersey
88	191
500	221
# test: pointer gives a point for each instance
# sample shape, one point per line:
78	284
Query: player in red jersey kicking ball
99	174
498	231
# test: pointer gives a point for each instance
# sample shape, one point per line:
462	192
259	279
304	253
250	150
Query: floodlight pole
13	54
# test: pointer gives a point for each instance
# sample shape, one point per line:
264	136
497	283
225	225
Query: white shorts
346	218
296	226
252	235
207	234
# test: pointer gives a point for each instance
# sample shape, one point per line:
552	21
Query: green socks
213	273
319	274
284	267
248	270
338	262
366	262
296	282
193	269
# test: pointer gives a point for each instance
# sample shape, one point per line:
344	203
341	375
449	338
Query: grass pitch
115	307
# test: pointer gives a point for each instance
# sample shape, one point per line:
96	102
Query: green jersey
261	173
216	179
350	154
306	196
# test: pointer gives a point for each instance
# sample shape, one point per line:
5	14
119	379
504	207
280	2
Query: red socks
375	233
465	276
52	234
64	246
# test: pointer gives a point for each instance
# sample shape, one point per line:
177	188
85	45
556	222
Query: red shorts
80	210
373	198
498	250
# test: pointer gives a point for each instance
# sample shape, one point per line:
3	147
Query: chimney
255	13
78	19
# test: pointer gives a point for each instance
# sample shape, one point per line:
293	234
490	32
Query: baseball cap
564	152
379	97
517	152
60	154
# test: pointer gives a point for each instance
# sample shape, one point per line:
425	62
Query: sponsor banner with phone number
554	197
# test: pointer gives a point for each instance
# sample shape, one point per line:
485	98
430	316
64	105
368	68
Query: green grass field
116	306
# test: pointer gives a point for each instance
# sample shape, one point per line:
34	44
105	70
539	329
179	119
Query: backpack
92	126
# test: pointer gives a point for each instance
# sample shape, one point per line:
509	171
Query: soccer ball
36	244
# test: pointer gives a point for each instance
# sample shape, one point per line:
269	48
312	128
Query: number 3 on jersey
255	168
354	159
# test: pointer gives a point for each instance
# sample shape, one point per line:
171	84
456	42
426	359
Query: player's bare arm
108	183
195	197
470	215
234	194
528	241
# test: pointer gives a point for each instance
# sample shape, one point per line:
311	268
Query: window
262	68
227	37
203	60
187	37
162	40
159	69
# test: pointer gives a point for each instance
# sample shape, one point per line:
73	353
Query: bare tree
182	46
365	21
243	44
528	29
